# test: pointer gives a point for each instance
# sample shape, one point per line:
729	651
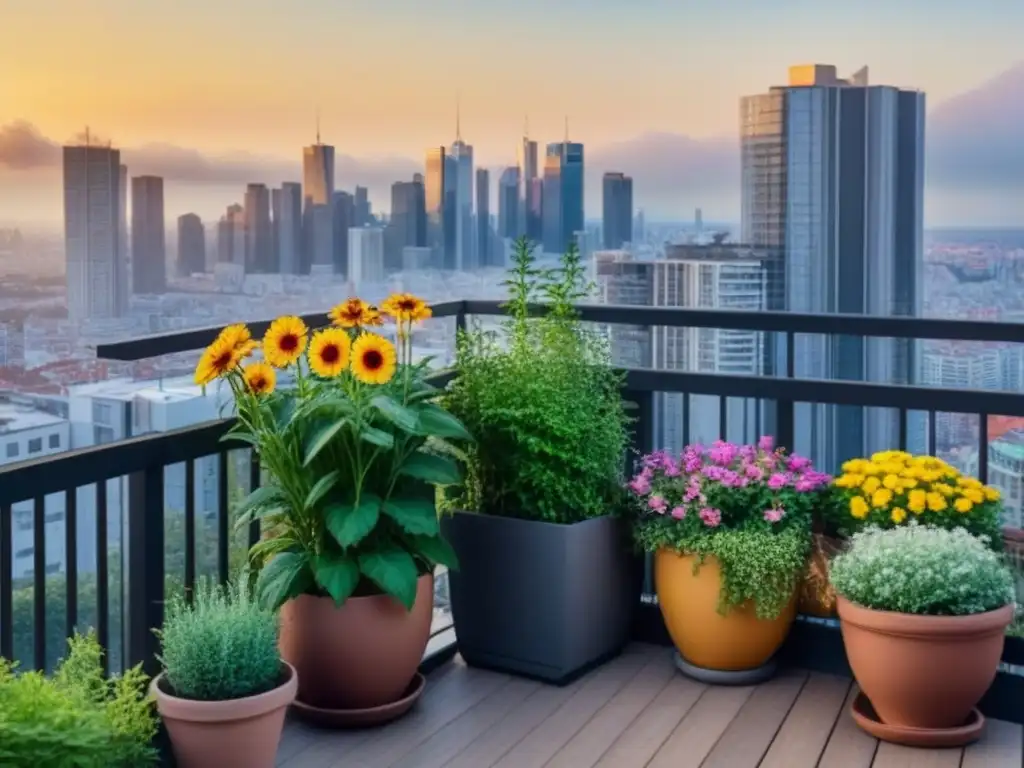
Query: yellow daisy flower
936	501
373	359
354	313
404	307
991	494
218	358
881	498
260	378
858	507
917	500
898	515
871	484
329	352
963	505
285	341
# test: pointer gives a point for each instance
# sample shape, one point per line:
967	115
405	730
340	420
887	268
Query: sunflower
285	341
239	337
260	378
373	359
405	307
354	313
329	352
218	358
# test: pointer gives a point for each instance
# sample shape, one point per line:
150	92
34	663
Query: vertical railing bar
6	582
39	581
145	576
983	447
903	416
254	483
790	355
222	517
723	416
686	418
102	574
190	529
931	433
71	560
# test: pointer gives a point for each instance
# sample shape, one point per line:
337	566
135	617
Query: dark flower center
407	305
223	360
330	354
373	360
289	342
258	383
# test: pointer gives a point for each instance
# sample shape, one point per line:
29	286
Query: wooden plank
444	745
541	744
750	734
698	732
896	756
297	736
848	746
805	731
636	747
1002	746
594	739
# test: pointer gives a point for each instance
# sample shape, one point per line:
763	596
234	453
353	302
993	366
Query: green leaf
350	524
322	488
394	571
240	435
435	420
258	514
397	414
265	548
284	577
338	575
263	496
320	439
435	550
437	470
377	437
424	391
416	516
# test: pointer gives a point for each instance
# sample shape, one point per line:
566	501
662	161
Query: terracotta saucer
865	717
362	718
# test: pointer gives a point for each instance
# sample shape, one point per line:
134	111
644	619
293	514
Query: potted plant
224	690
547	585
729	527
924	611
352	454
77	717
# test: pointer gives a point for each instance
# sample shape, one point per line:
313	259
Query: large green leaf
286	576
435	420
268	547
320	439
322	487
338	575
377	437
437	470
416	516
351	523
436	550
402	417
424	391
265	495
240	435
394	571
259	513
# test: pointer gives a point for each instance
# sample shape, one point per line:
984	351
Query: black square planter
538	599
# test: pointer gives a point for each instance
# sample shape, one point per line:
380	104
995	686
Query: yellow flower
848	481
853	466
354	313
329	352
898	515
991	494
975	495
871	484
404	307
917	500
373	359
260	378
881	498
944	489
239	337
218	358
285	341
908	482
969	482
858	507
870	468
963	505
892	482
936	502
930	475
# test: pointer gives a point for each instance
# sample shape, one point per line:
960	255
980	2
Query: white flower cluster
922	570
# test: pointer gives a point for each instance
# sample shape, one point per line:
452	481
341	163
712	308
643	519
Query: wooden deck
634	711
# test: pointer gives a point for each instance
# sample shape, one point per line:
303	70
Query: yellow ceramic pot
704	637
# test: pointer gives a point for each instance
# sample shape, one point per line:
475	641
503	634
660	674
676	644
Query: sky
218	79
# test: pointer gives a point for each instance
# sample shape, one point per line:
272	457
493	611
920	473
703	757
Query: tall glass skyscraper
563	195
317	211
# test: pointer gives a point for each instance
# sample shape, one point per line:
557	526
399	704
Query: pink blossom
640	485
723	453
658	504
753	472
711	517
778	481
798	463
774	514
804	484
671	468
692	492
732	480
679	512
766	443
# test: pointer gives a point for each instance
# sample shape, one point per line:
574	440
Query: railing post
145	569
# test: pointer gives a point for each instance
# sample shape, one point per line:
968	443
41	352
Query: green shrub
543	403
77	718
923	570
222	646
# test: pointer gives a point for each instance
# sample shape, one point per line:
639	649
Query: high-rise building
362	207
508	203
408	224
92	232
617	210
366	255
259	246
530	214
124	263
231	237
288	228
191	245
434	198
833	179
149	254
317	214
461	155
483	217
563	195
344	214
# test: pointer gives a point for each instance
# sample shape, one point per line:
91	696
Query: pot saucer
727	677
864	715
362	718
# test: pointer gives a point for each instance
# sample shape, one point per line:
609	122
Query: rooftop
16	417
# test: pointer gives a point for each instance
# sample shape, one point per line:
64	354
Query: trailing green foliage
77	718
543	402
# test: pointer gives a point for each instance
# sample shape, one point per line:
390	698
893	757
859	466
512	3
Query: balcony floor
634	711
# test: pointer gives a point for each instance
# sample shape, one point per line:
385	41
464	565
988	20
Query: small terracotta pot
704	637
817	597
360	655
214	734
923	671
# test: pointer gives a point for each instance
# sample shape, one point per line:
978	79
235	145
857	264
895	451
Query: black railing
136	466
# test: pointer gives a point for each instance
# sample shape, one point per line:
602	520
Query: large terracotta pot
703	636
817	597
923	671
214	734
361	655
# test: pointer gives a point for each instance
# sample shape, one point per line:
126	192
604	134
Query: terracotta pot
214	734
923	671
361	655
703	636
817	597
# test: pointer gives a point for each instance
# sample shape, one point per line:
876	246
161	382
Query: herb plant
543	403
222	646
349	505
922	570
78	718
748	506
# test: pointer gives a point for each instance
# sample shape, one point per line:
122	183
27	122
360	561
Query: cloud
23	147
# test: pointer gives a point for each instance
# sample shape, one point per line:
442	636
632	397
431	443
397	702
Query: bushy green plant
543	403
222	646
922	570
77	718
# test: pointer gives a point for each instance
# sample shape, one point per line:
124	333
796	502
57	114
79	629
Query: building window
23	553
12	450
102	413
35	445
55	441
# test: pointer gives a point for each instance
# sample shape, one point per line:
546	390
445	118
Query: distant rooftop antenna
458	116
318	125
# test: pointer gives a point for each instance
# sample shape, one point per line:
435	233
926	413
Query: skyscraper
149	254
231	237
617	209
530	213
461	154
483	217
833	178
434	197
508	203
563	195
288	228
344	216
191	245
408	224
362	207
366	255
318	194
124	262
259	251
92	205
